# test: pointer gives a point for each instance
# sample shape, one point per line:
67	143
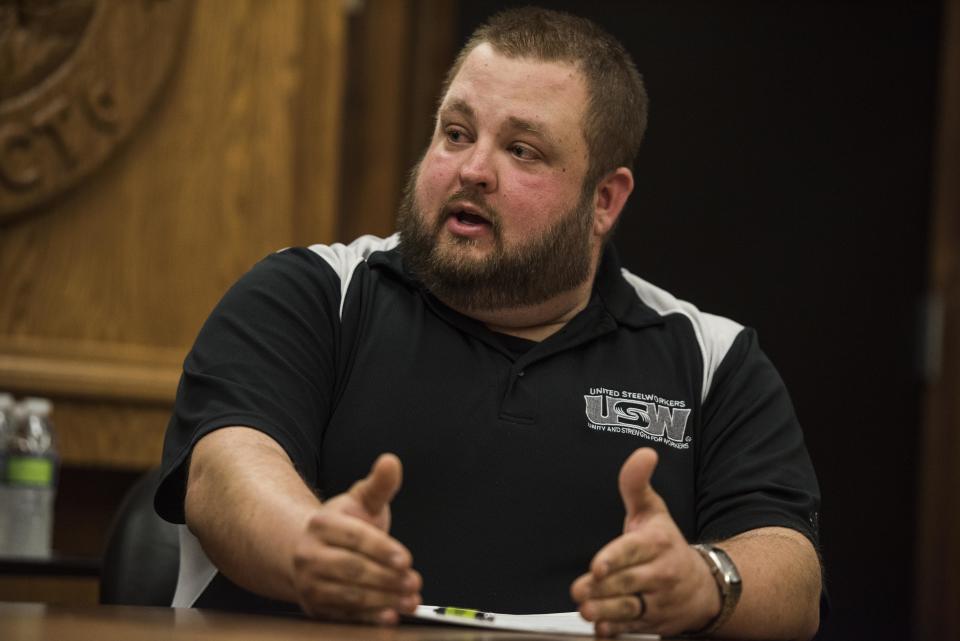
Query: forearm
246	504
781	585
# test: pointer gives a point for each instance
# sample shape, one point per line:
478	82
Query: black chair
142	555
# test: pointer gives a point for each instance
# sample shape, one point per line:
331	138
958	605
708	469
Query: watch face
727	568
731	576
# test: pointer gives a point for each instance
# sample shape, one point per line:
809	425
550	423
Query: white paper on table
552	623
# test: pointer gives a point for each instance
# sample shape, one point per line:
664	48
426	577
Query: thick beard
508	277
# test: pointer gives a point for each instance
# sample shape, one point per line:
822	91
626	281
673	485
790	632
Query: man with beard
495	348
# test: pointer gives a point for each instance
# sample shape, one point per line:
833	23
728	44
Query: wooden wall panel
938	552
319	114
374	118
399	51
104	289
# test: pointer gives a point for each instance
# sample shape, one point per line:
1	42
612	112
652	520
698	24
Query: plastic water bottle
6	426
6	417
30	481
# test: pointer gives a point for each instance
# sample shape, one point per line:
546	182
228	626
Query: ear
612	192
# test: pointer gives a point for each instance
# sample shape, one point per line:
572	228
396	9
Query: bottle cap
19	412
37	406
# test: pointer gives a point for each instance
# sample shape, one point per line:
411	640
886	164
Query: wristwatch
728	582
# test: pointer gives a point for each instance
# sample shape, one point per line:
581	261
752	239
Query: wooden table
41	622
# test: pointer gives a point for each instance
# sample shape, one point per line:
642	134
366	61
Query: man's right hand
346	566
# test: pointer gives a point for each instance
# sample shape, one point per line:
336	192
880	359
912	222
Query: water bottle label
29	470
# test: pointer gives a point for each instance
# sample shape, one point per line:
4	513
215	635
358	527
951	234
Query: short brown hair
616	116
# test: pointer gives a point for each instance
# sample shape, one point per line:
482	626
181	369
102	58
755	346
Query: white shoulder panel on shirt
343	259
715	334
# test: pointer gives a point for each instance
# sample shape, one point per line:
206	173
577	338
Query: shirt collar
619	297
610	289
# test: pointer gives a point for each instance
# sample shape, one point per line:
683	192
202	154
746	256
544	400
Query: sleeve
754	467
265	359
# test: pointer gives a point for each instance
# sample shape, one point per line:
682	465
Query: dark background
785	182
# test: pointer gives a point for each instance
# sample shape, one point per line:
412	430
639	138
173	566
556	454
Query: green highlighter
465	613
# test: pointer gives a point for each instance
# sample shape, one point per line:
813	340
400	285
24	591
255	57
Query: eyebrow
462	106
528	126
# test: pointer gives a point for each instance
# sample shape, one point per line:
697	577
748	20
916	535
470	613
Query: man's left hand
648	579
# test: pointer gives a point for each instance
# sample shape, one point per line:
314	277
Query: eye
456	135
523	152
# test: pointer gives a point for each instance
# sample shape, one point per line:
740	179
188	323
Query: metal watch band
728	583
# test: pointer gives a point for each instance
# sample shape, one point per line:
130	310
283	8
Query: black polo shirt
511	450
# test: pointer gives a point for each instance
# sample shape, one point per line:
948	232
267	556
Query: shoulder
344	259
715	335
325	268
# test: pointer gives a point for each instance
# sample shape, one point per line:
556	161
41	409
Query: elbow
192	501
810	625
812	592
195	492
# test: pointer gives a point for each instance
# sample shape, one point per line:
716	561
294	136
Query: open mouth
466	218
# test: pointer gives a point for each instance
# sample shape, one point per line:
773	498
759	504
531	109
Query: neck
536	322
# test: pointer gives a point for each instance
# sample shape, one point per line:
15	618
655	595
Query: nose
477	169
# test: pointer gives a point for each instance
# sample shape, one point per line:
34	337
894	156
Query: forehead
501	88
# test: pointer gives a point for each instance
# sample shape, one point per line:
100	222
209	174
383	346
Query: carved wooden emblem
76	77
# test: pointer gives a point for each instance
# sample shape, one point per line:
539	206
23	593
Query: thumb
380	486
635	489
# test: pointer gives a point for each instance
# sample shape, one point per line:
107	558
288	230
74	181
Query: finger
345	531
634	548
630	580
582	588
346	566
638	495
326	595
380	486
620	608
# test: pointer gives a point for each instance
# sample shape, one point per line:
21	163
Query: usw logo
611	413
